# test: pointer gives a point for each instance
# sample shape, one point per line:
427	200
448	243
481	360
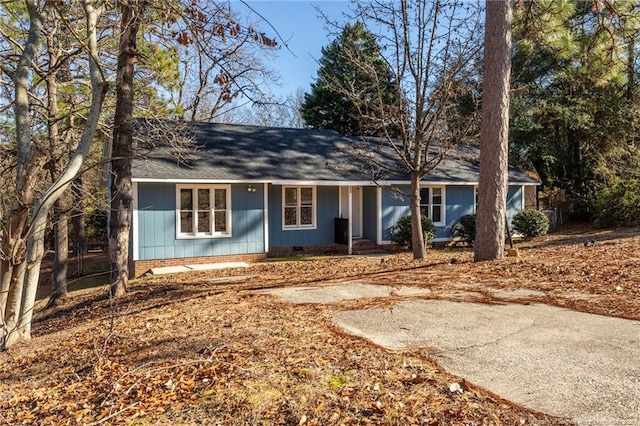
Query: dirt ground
212	348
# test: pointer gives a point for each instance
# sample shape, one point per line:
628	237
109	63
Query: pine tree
352	61
494	135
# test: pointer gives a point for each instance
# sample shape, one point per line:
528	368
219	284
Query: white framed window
432	204
203	211
298	207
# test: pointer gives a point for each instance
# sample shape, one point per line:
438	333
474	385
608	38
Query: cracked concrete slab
350	291
566	363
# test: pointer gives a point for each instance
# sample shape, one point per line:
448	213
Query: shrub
401	231
530	223
618	204
466	228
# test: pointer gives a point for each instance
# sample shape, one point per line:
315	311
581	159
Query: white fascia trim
317	182
444	183
256	181
135	243
321	183
197	181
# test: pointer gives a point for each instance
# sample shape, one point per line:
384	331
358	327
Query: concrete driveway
561	362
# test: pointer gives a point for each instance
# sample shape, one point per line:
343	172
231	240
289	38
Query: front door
356	208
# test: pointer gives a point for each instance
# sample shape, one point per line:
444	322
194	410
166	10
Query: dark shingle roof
249	153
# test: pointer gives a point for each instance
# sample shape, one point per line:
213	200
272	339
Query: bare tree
430	52
277	113
22	235
494	139
221	62
192	24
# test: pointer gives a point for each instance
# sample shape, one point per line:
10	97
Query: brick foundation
327	249
139	267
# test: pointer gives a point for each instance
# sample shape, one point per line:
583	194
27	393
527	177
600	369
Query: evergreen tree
573	103
351	62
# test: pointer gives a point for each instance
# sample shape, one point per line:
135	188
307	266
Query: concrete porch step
365	246
368	251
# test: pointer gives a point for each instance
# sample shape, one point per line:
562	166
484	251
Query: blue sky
298	24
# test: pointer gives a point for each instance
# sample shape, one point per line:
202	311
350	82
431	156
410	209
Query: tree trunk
10	333
494	138
26	270
631	67
417	236
61	252
78	220
35	244
122	150
58	157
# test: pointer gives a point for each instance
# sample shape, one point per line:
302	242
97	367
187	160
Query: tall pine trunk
494	136
122	149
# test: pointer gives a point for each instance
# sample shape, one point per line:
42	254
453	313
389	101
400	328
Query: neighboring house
252	192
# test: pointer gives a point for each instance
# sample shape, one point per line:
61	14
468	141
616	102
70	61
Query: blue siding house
250	192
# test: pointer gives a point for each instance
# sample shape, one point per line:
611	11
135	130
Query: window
299	207
204	211
431	204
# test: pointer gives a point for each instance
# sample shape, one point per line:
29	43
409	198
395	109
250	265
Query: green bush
618	204
530	223
466	228
401	231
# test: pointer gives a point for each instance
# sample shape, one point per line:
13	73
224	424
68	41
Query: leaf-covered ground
214	348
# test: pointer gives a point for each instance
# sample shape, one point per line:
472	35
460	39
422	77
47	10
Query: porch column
350	238
135	227
266	216
379	215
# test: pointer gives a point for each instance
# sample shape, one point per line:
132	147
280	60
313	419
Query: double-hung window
204	211
432	204
299	207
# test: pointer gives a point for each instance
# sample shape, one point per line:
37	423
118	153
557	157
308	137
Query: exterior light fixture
251	188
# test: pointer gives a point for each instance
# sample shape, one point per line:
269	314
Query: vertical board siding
369	219
460	200
157	225
157	219
327	205
514	201
395	204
